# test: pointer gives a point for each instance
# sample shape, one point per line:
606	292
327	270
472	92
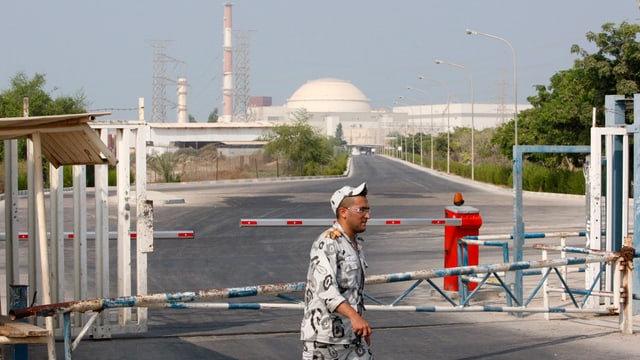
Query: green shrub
339	164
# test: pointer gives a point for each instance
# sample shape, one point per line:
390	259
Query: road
226	255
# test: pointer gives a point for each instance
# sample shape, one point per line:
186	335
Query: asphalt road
226	255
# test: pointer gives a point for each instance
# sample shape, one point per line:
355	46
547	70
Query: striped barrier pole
570	249
274	289
528	236
401	308
154	299
483	269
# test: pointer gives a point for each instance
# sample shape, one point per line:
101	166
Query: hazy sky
103	48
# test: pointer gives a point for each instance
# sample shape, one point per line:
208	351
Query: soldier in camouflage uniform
332	326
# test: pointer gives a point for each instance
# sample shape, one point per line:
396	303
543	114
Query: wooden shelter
63	140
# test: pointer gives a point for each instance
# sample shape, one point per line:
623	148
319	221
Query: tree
164	164
213	117
300	144
192	119
340	135
562	111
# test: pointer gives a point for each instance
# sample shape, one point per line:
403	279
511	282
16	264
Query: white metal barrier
123	136
600	224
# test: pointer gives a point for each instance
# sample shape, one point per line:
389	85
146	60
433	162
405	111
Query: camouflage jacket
336	274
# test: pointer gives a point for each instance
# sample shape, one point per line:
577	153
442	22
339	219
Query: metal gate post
616	186
124	221
144	219
515	278
11	213
614	117
80	235
101	329
634	128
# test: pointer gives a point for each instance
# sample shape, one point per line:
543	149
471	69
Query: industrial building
329	102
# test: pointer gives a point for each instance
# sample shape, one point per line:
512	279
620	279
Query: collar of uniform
336	225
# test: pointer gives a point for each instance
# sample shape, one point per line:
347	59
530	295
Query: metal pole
635	129
421	126
123	188
515	76
472	113
446	89
432	132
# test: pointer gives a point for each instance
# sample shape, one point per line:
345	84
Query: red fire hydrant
471	222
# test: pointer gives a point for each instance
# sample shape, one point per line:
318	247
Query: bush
339	165
538	178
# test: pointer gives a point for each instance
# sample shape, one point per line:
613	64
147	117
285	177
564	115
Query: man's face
357	213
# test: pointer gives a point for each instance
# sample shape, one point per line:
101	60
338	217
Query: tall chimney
182	100
227	86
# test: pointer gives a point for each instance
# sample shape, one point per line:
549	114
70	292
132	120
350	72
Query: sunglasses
360	210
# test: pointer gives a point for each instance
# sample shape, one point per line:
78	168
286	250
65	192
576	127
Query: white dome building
330	102
329	95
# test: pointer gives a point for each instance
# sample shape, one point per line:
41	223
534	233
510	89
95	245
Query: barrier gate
607	218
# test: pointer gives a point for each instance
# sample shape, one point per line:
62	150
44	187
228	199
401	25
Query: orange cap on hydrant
457	199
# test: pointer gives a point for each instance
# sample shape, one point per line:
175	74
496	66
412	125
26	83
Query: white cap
347	191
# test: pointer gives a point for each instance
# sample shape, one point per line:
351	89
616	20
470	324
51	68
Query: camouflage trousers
321	351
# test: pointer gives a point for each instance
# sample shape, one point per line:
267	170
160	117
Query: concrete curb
482	185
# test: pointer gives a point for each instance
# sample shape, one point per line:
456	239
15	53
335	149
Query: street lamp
515	76
422	127
473	128
446	90
404	148
413	138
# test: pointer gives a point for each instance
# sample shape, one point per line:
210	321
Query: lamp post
446	90
473	128
422	127
515	76
413	139
404	148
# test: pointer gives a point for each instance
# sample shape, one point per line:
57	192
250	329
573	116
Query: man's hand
359	325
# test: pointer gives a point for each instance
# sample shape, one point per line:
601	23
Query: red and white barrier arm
329	222
170	234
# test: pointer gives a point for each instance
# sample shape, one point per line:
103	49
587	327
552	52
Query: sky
104	48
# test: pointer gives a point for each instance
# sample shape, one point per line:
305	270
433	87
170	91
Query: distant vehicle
362	151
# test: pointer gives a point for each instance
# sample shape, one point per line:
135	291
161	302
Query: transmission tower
241	71
159	95
160	80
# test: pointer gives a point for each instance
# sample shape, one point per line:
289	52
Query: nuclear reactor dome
329	95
